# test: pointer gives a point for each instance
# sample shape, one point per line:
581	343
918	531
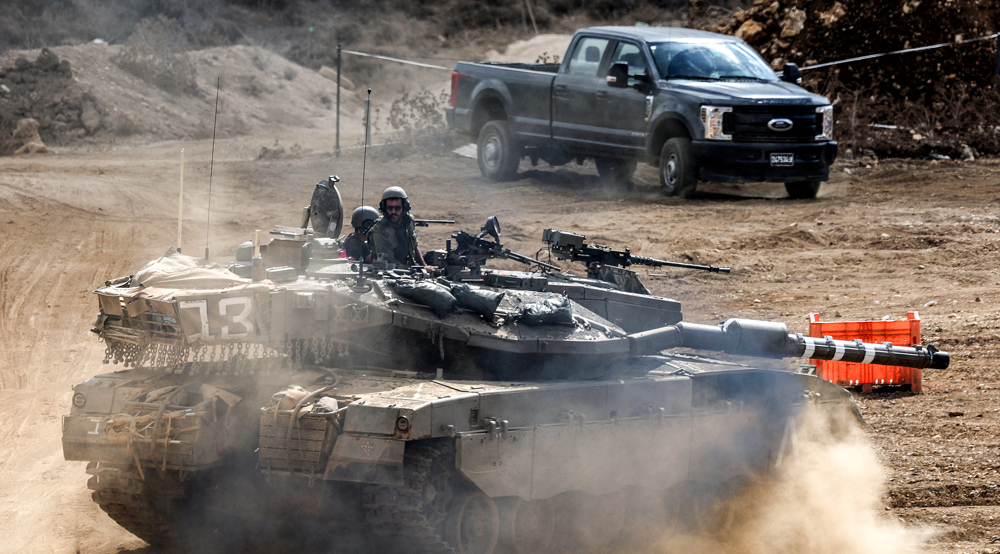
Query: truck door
577	95
624	109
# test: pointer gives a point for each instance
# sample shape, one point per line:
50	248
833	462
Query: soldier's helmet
394	192
363	218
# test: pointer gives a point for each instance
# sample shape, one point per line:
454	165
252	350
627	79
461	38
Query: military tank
321	404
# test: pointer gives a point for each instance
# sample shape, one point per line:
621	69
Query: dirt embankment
81	96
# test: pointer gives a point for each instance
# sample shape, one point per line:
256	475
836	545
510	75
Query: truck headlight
826	126
712	116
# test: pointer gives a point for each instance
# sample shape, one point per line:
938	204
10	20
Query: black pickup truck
700	106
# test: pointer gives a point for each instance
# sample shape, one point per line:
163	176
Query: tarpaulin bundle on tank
481	301
547	311
428	293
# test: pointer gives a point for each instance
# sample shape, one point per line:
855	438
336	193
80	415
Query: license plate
782	160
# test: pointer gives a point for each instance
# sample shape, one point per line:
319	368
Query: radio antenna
360	283
211	165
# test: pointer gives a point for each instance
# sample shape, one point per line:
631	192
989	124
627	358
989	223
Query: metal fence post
337	150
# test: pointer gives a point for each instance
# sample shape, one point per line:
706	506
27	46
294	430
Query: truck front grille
749	123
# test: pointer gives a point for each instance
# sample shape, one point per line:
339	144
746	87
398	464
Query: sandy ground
883	238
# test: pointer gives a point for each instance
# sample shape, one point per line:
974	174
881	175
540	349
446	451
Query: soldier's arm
418	257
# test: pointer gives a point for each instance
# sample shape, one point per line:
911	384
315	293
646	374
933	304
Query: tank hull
688	424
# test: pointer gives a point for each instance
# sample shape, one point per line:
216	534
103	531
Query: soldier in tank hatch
356	245
394	235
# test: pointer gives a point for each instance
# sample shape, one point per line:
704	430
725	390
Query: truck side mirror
791	73
618	75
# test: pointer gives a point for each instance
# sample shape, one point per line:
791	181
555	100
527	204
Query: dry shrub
417	112
418	124
124	124
7	126
157	53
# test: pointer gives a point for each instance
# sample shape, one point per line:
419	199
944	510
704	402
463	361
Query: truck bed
525	85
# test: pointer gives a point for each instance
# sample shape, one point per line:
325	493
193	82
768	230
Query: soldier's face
394	207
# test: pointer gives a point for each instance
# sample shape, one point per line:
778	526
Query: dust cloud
827	499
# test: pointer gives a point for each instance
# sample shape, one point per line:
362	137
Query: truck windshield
710	61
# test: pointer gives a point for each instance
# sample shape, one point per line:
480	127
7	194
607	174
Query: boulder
751	32
26	138
90	117
831	16
47	61
793	23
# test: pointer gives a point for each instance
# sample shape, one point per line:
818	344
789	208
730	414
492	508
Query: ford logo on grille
779	124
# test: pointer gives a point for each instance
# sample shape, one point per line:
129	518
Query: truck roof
660	34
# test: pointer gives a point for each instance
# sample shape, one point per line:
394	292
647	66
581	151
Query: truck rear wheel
803	189
678	173
498	154
616	170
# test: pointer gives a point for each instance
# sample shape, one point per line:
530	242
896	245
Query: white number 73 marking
241	318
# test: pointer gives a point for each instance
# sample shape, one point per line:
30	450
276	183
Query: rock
751	32
793	23
967	154
27	139
90	118
33	148
47	61
773	8
830	17
911	7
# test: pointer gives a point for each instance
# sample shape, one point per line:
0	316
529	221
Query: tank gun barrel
769	339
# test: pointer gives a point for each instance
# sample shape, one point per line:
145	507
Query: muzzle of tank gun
769	339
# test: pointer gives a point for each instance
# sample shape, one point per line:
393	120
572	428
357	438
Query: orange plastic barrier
864	376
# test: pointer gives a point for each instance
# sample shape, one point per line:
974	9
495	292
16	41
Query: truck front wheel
678	173
498	155
803	189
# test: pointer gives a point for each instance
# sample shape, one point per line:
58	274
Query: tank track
413	514
128	499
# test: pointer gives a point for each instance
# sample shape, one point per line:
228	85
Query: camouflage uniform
356	248
397	242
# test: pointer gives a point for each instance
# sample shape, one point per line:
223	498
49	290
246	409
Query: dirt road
885	239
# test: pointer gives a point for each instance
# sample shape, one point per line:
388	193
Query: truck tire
498	154
803	189
678	173
616	170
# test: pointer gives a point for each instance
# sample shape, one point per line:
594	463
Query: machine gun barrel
525	259
769	339
427	222
643	260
